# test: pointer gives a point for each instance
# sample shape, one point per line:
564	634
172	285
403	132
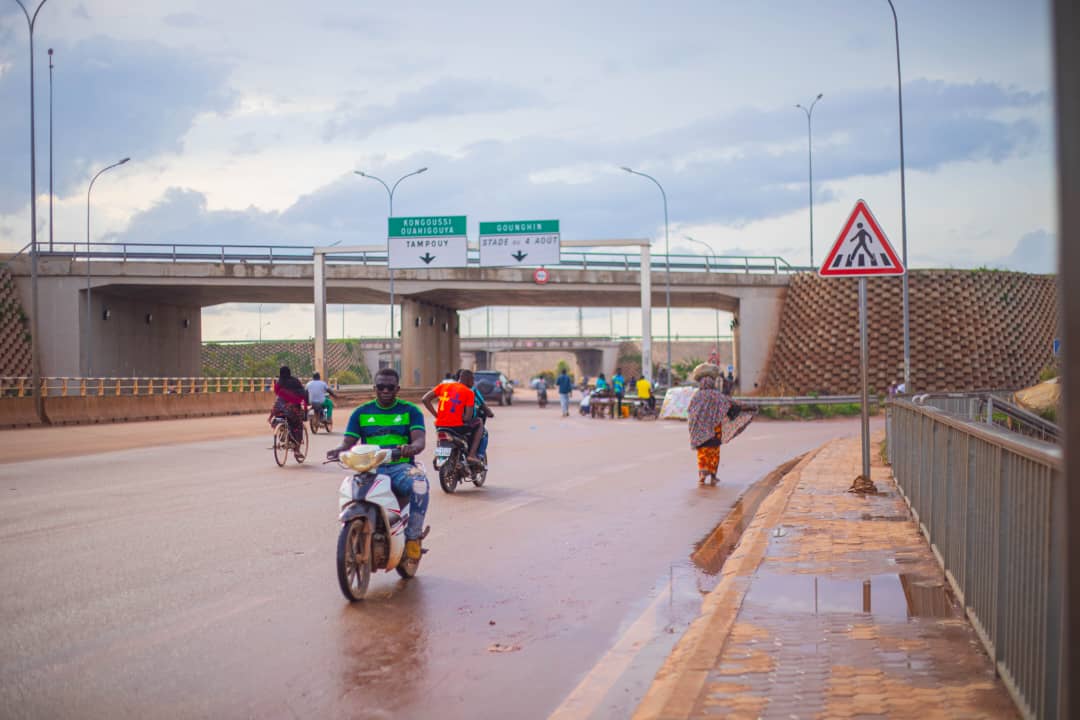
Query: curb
677	685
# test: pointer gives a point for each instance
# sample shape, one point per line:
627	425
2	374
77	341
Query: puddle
713	549
894	596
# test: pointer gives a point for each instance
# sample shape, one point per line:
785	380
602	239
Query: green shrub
348	377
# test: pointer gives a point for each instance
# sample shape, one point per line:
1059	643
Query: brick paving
835	608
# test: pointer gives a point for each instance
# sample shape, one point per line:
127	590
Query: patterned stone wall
970	330
14	330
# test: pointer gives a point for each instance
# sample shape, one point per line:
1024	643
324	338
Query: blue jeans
482	450
564	400
407	478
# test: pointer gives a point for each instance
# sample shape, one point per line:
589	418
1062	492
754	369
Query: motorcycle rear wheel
281	444
354	559
479	478
447	474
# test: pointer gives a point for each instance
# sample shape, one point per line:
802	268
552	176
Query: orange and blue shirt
454	397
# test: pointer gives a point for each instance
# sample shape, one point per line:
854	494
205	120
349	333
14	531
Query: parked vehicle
494	386
373	521
451	460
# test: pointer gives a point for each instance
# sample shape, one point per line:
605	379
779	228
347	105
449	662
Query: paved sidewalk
831	606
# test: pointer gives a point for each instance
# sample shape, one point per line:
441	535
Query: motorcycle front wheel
448	474
354	559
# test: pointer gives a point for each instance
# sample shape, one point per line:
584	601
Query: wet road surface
197	579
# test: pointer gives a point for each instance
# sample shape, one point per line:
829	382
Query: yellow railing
115	387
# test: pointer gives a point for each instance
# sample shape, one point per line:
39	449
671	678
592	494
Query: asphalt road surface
164	570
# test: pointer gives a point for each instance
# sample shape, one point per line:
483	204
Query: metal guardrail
570	259
992	408
756	401
983	497
117	387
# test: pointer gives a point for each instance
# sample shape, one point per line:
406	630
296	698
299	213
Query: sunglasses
386	388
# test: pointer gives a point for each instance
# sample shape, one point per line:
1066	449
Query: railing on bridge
570	259
984	498
127	386
992	408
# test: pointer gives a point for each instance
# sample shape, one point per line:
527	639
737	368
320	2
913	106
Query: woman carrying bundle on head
713	419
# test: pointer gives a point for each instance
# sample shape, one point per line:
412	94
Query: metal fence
984	497
116	387
569	259
993	408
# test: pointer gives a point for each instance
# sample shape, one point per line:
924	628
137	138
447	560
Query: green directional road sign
427	242
519	242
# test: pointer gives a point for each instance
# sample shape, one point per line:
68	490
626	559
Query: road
196	579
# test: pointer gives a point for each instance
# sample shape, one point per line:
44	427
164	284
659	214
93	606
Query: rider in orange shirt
456	409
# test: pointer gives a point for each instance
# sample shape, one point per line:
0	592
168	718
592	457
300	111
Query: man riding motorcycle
482	410
399	427
317	392
456	410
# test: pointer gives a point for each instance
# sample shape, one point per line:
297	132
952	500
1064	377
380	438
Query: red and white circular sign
541	276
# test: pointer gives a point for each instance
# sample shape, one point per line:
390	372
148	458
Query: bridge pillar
757	320
136	338
590	362
430	343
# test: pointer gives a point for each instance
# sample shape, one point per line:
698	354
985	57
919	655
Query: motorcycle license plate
442	451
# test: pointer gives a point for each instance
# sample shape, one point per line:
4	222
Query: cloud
445	98
186	20
730	169
1036	252
112	99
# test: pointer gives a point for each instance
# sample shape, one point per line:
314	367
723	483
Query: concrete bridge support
430	343
757	321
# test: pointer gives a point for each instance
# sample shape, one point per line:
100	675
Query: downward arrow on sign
427	258
519	256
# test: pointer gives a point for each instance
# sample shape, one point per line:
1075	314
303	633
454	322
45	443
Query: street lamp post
903	206
713	254
390	191
89	332
810	150
667	265
50	153
35	344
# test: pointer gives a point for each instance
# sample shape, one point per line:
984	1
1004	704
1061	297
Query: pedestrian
566	386
618	386
713	419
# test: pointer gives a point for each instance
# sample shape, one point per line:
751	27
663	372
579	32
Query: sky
245	121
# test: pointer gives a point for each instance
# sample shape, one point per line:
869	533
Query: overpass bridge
135	309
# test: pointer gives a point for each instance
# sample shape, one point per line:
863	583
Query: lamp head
421	170
123	161
623	167
50	51
820	95
361	173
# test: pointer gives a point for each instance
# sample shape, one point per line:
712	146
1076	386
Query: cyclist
290	402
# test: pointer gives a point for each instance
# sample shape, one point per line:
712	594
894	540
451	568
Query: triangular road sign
861	249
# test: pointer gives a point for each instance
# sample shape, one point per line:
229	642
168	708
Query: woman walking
713	419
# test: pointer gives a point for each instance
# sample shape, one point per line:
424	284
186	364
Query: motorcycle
451	460
317	419
373	521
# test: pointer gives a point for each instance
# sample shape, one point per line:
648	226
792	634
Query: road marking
586	698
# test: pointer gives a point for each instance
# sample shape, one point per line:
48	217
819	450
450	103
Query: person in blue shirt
566	386
397	426
601	384
482	411
618	386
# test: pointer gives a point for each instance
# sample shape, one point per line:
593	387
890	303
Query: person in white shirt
317	390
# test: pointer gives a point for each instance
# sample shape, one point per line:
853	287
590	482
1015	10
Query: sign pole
864	362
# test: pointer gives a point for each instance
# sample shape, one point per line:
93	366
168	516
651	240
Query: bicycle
284	444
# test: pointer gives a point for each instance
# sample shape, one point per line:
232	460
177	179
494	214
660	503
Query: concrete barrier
78	410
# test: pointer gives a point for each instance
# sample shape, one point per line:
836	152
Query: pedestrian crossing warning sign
862	249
